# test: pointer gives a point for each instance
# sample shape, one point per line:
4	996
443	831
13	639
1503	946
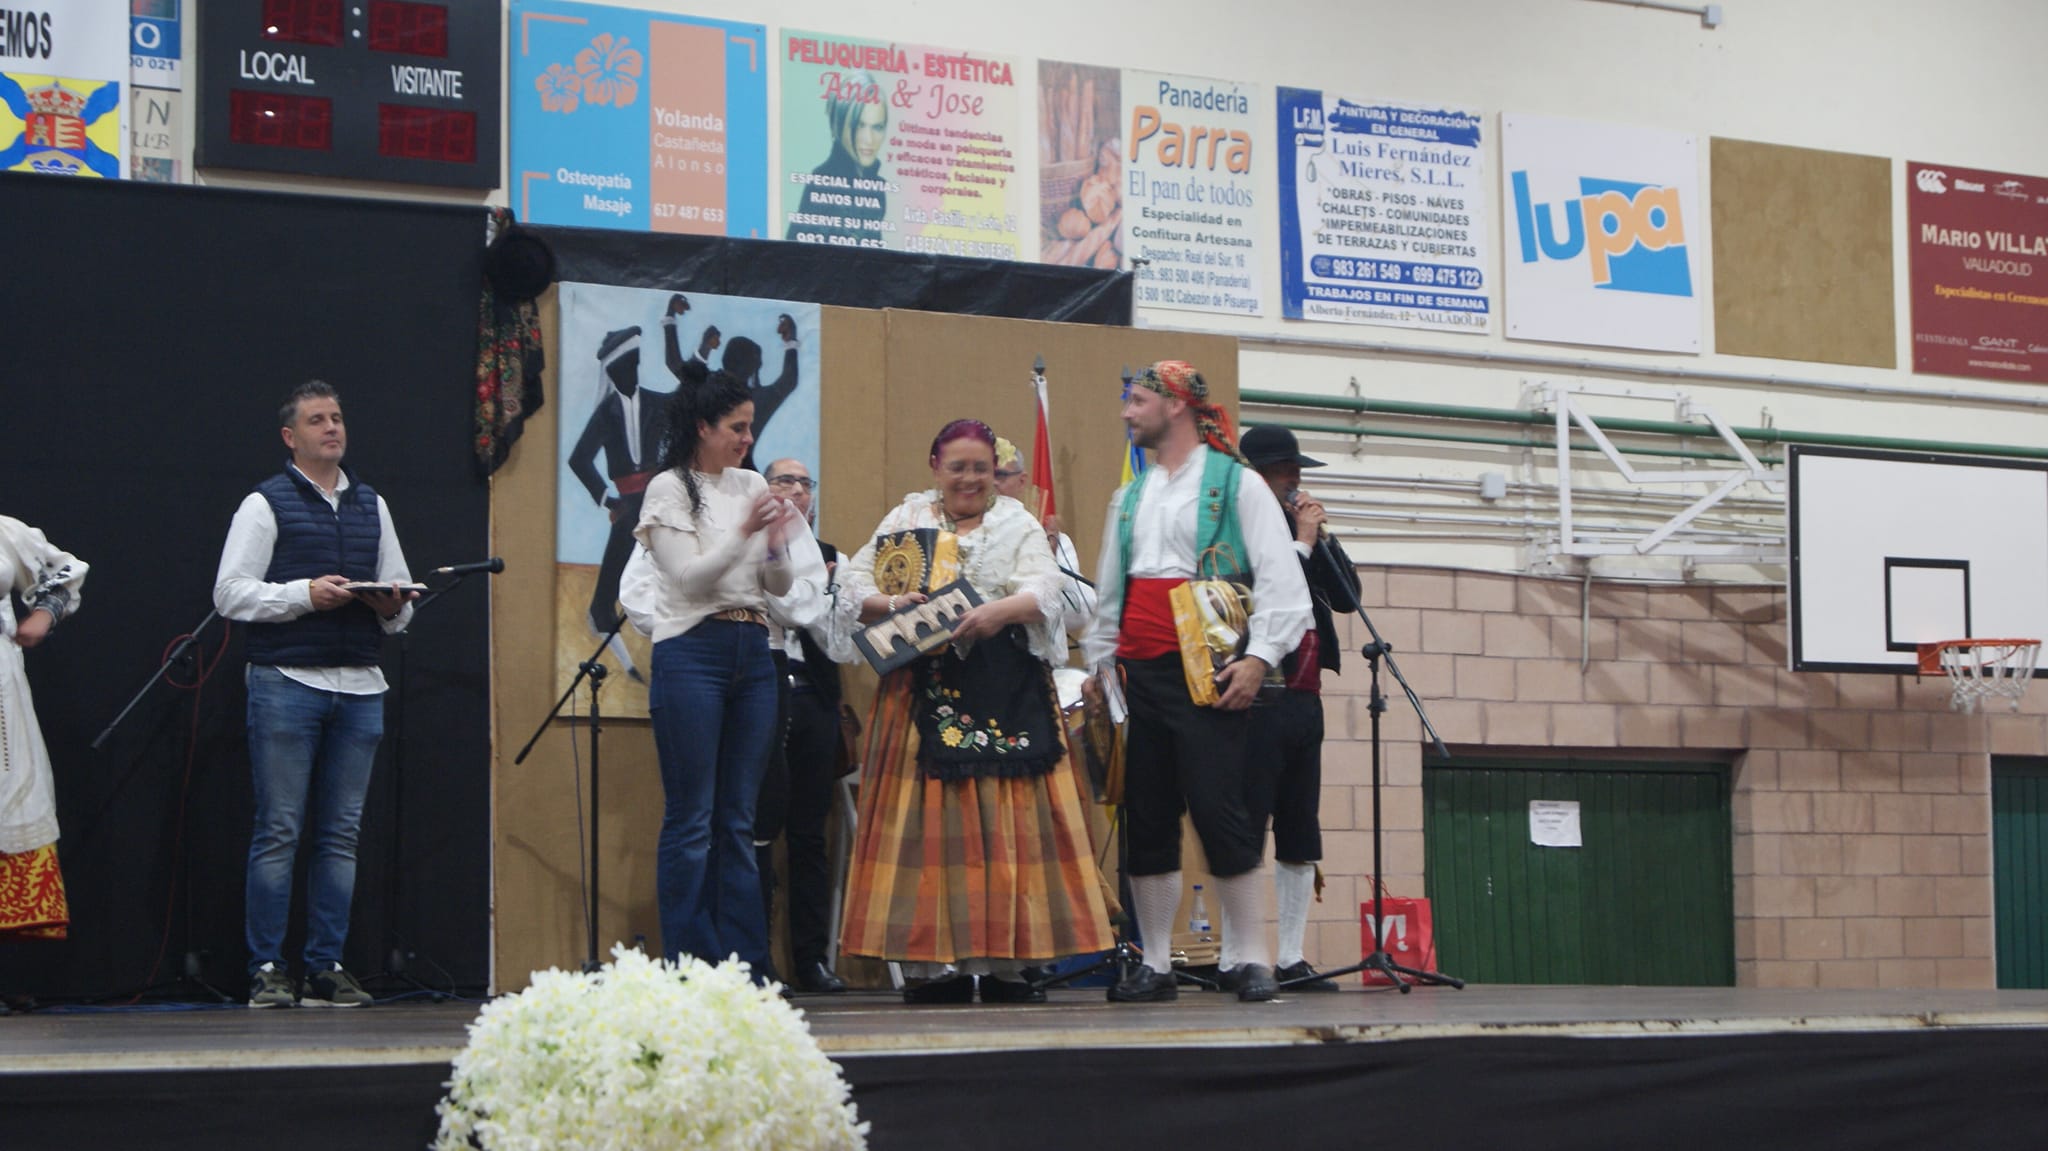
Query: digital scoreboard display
405	91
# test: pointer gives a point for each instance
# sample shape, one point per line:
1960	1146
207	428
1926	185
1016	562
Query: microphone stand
396	955
178	655
595	671
192	969
1376	653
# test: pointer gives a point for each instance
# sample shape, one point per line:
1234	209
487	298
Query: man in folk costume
626	425
1198	513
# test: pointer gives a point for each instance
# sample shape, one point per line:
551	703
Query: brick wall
1862	803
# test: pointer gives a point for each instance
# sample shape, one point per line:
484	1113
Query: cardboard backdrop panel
891	380
1802	254
951	367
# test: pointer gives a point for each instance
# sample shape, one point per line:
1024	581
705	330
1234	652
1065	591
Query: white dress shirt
241	593
1163	547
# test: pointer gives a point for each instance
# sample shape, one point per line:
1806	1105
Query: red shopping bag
1408	936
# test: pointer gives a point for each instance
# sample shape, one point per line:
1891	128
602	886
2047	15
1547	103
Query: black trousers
796	803
1284	774
618	548
1182	758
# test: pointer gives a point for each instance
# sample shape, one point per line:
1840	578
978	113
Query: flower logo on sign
559	89
609	71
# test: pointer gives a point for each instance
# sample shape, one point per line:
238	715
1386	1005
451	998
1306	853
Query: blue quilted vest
314	540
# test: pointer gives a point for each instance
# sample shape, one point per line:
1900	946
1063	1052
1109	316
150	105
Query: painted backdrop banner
623	354
1604	231
1382	213
902	146
639	120
64	88
1979	244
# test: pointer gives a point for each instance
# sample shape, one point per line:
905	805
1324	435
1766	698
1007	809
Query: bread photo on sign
1080	173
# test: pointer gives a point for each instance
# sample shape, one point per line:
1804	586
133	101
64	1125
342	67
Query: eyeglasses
1009	474
804	482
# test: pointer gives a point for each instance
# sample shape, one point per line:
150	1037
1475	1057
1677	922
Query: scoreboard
405	91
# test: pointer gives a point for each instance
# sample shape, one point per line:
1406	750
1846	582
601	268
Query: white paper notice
1554	823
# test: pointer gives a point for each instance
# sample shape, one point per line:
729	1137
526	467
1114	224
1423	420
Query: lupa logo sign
1931	180
1630	235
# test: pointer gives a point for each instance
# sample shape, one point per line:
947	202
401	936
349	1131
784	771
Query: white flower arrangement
645	1054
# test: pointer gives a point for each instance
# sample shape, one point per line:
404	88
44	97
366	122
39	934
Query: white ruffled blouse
1005	555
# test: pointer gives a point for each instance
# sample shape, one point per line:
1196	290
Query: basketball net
1980	669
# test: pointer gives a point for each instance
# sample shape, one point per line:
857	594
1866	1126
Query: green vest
1219	545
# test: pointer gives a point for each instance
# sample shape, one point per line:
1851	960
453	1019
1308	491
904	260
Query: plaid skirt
978	868
32	902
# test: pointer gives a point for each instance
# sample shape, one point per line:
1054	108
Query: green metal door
1649	899
2019	869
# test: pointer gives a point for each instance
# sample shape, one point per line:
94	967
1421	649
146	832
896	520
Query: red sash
634	484
1148	631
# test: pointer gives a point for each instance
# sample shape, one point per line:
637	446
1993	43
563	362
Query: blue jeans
712	699
314	748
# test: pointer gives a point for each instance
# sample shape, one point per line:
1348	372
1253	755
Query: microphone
494	565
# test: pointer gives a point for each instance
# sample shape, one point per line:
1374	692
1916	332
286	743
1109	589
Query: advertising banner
645	121
1605	233
900	146
1979	258
64	88
1382	214
1153	171
157	40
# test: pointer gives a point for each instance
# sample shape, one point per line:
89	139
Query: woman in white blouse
721	547
48	579
973	855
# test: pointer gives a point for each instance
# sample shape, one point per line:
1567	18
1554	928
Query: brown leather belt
741	615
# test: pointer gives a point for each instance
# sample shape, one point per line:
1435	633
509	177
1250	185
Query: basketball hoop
1982	668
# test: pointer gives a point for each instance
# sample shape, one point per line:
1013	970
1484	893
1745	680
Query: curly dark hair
695	405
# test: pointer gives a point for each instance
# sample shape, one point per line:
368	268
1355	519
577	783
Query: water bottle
1198	917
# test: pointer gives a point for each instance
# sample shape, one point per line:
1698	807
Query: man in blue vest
301	566
1197	513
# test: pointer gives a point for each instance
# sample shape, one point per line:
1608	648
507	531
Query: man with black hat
626	427
1285	776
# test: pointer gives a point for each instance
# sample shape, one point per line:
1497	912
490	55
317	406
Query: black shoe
1229	978
957	989
995	990
271	987
335	988
817	979
1302	977
1146	986
1255	983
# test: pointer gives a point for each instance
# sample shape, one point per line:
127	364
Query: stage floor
862	1024
1537	1068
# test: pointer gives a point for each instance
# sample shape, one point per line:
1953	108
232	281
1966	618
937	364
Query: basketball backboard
1893	549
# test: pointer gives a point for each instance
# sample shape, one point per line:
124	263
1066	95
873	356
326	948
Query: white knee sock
1158	898
1231	956
1244	904
1294	884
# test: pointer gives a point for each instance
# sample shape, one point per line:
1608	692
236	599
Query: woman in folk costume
47	579
973	855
